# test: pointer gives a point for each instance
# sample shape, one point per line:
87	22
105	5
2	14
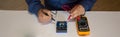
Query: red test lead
69	17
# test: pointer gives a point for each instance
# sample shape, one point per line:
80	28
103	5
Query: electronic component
82	26
61	27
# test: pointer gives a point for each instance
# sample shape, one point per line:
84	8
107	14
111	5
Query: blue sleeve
34	6
87	4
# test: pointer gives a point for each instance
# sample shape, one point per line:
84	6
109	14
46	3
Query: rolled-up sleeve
34	6
87	4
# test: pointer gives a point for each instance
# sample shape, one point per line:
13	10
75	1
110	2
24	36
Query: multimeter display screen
83	24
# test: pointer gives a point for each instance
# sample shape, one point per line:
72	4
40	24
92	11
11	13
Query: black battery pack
61	27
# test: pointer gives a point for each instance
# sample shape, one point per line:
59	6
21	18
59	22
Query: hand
42	18
77	11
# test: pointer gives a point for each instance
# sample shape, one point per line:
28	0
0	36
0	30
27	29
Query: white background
22	24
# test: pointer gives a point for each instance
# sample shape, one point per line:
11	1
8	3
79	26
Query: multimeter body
82	26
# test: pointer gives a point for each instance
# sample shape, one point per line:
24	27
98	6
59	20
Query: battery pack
61	27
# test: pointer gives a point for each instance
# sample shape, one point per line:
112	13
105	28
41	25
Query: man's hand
42	18
77	11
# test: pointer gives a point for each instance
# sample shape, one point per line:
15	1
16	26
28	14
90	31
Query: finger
73	16
74	13
43	18
73	9
47	18
71	12
40	14
78	13
47	11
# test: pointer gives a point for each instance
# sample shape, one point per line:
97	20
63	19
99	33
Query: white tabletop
16	23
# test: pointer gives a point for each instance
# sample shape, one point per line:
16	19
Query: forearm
34	6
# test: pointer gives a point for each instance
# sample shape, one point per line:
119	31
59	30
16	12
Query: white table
19	23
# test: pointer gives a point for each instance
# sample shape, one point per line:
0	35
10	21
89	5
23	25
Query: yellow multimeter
82	26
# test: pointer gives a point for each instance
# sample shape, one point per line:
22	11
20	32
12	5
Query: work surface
22	24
